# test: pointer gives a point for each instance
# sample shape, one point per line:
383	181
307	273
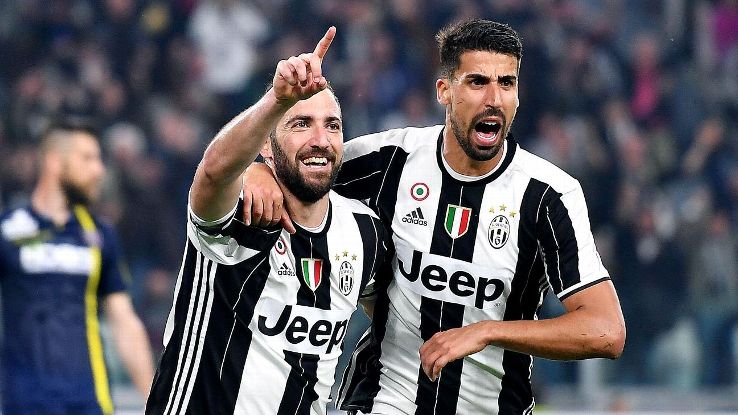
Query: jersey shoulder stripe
408	139
544	171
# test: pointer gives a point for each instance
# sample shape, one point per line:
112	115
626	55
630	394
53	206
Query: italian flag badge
457	220
311	272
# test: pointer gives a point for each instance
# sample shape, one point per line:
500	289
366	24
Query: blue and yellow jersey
53	279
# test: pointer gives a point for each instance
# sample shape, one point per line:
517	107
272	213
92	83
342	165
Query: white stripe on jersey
189	356
558	260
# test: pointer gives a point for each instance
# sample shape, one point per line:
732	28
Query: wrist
280	100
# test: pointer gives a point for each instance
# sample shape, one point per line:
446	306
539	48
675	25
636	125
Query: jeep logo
458	285
305	332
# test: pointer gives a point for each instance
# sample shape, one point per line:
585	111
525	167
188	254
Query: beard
289	174
465	137
76	195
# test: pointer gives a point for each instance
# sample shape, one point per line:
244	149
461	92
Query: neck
461	163
308	215
49	200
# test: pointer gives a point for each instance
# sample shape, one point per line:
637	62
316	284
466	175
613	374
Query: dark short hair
71	124
59	129
475	35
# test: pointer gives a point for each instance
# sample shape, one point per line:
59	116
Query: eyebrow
298	118
501	78
309	118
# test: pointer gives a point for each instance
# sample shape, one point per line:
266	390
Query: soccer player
482	230
59	265
259	315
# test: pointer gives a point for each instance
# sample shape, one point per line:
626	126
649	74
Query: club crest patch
498	231
346	278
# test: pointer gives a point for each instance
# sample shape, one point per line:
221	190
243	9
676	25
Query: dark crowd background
638	99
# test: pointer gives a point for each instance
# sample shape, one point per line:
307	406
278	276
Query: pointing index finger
322	47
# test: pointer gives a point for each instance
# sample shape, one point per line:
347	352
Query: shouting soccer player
483	230
259	315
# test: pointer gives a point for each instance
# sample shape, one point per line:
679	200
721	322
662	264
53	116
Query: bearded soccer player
259	315
59	265
482	230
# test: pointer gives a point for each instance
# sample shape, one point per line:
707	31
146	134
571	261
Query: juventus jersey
467	249
259	315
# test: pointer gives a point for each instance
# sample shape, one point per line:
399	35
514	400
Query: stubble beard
464	138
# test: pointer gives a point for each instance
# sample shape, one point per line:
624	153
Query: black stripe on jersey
374	249
237	290
528	286
357	392
299	391
441	397
374	176
558	243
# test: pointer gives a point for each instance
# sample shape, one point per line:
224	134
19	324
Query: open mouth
487	130
315	162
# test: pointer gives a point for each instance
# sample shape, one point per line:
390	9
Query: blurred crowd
638	99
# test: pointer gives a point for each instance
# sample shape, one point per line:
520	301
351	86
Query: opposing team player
59	265
483	230
259	315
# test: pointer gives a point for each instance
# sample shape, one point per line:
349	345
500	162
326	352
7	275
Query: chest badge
498	231
312	272
419	191
346	278
457	220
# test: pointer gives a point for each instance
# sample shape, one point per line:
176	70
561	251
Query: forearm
574	335
133	348
217	182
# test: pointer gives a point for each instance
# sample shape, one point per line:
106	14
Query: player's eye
334	126
300	124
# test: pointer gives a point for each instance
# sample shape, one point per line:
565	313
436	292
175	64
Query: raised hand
300	77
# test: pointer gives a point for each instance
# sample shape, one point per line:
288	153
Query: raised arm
217	181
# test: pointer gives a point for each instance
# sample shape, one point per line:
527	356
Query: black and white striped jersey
467	249
259	315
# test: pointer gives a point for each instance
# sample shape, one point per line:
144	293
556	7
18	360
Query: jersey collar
509	149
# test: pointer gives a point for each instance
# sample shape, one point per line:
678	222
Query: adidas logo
415	217
285	270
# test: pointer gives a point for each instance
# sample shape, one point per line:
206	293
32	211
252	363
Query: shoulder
18	223
544	171
353	206
409	139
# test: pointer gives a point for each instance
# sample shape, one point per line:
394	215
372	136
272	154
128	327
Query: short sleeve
229	240
114	273
568	247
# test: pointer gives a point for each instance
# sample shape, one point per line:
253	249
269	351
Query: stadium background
638	99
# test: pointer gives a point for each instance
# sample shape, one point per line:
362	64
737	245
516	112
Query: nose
493	96
320	137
